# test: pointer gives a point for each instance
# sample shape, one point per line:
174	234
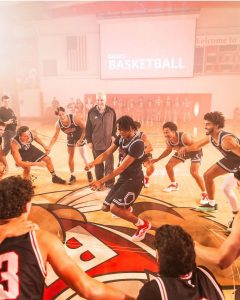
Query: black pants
105	168
7	136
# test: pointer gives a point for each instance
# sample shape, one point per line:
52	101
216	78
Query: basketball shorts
124	192
32	154
229	165
72	140
195	156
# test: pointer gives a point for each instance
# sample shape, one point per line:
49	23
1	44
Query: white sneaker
171	188
204	198
141	232
117	217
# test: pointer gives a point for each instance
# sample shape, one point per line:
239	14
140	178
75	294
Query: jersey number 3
9	281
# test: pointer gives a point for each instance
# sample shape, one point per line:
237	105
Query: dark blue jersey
197	285
135	148
179	142
22	271
72	130
226	153
23	146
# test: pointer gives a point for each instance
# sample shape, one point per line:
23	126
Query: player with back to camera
23	258
179	277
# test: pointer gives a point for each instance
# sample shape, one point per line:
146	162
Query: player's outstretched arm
195	146
101	158
224	255
165	153
55	137
40	142
73	275
128	160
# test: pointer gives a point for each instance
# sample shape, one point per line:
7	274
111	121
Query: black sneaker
230	224
72	179
89	176
56	179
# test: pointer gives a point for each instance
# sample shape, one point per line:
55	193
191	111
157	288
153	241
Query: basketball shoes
171	188
72	179
89	176
146	182
204	199
57	179
141	231
206	207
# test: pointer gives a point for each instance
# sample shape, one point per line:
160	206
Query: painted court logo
105	250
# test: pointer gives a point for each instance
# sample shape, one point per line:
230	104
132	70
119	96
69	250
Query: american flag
76	53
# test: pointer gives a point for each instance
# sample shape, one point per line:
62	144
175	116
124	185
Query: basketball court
156	61
101	244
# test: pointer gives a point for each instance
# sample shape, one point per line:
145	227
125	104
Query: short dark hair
237	175
175	251
4	97
126	123
58	109
138	124
2	124
172	126
15	193
22	129
215	117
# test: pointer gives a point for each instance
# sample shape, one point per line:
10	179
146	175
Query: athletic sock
212	202
139	222
53	173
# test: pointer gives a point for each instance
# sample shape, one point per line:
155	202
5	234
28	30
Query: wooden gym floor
100	244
